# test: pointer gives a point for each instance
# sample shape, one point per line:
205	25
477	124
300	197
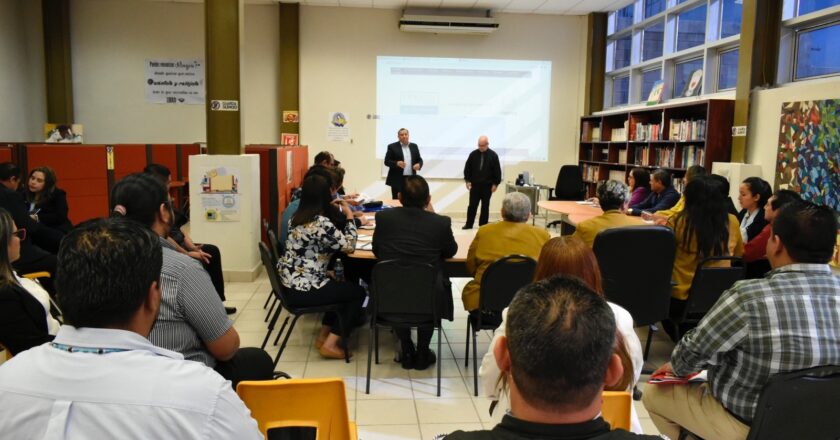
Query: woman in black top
47	203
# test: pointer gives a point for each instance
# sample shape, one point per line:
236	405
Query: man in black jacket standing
402	159
483	173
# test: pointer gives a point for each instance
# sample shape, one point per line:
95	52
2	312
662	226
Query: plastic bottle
339	269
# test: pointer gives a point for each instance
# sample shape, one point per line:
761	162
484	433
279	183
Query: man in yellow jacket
512	235
612	196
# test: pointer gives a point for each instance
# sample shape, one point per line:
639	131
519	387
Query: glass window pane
731	19
682	76
817	52
691	28
653	7
622	53
728	70
681	1
648	79
624	17
621	90
808	6
652	41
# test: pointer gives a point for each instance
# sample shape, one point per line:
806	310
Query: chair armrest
34	275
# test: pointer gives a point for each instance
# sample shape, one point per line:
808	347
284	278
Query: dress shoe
465	227
407	360
423	359
230	310
331	353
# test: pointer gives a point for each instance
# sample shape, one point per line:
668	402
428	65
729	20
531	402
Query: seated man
555	386
192	318
662	194
692	172
415	233
512	235
612	196
101	377
784	322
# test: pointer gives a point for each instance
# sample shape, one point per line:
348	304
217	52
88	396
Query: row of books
619	134
693	155
666	156
648	132
590	172
590	132
687	130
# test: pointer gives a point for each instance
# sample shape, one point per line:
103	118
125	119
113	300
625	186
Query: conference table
571	212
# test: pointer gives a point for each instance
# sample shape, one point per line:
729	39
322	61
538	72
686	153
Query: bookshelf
673	137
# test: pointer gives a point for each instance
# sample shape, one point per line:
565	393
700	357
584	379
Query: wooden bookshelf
672	137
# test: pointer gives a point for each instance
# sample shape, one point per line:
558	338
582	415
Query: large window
691	28
682	75
731	18
818	52
808	6
652	41
649	78
622	52
653	7
728	69
624	17
621	90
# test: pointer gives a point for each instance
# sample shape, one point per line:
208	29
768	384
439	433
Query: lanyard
72	349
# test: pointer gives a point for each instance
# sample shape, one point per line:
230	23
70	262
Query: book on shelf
687	130
693	155
586	131
617	175
596	134
590	172
664	156
619	134
678	185
648	132
642	156
622	155
655	96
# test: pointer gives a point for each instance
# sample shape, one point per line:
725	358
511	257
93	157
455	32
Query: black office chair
297	312
275	255
801	404
499	283
404	294
708	285
569	186
636	264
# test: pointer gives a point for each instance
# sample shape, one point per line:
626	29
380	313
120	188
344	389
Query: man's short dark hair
808	231
415	192
9	170
561	335
783	197
662	177
323	156
161	172
105	269
139	195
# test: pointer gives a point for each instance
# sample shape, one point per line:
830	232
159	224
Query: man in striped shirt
787	321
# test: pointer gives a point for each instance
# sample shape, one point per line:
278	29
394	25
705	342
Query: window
817	51
620	90
624	17
730	23
649	77
652	41
682	75
728	70
622	53
808	6
691	28
653	7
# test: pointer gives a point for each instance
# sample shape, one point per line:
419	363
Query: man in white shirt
101	377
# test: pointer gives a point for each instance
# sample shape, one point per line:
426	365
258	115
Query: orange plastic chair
317	403
36	275
616	409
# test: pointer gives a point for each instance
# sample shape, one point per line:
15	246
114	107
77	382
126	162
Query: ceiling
553	7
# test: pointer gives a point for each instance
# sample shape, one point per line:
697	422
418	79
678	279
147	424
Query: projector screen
447	103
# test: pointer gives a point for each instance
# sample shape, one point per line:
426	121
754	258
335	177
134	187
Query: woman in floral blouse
312	241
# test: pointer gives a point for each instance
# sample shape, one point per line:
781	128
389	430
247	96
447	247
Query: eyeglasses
20	233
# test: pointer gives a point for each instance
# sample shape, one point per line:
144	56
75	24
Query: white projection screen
447	103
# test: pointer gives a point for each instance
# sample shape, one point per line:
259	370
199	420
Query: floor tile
389	432
444	410
450	387
388	388
385	412
430	430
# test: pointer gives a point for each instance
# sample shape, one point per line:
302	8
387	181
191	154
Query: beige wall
338	73
23	112
766	110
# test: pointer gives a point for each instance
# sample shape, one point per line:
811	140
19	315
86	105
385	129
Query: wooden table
572	212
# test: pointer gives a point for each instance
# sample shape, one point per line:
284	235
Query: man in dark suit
402	159
32	258
483	173
415	233
662	194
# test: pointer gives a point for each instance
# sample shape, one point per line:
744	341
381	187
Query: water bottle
339	270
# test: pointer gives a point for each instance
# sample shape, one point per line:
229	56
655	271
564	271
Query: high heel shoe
331	353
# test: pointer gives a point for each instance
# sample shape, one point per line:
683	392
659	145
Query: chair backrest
270	266
318	403
616	409
709	283
405	288
636	264
275	248
569	184
801	404
502	279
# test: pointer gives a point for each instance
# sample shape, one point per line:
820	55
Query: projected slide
447	103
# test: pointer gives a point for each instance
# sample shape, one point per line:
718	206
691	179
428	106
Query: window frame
791	27
795	61
719	55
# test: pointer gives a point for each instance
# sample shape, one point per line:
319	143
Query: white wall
766	110
338	54
23	113
110	43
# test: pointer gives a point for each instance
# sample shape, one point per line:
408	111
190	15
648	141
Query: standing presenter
482	174
402	159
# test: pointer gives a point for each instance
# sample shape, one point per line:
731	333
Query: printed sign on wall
175	81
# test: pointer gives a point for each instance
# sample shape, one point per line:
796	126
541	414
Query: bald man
482	174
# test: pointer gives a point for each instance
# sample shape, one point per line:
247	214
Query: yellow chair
616	409
317	403
35	275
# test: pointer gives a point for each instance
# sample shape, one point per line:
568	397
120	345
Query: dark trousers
214	268
424	338
480	192
396	187
349	295
249	363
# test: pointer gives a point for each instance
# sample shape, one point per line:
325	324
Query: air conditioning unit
443	21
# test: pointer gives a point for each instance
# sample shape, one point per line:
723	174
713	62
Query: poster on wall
289	139
809	151
220	195
338	128
175	81
291	116
63	133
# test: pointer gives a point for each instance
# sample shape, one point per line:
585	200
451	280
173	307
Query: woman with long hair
571	256
639	182
25	319
47	202
752	196
313	240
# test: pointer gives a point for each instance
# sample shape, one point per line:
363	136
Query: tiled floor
402	403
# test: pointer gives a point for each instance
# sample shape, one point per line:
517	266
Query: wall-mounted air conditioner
448	22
